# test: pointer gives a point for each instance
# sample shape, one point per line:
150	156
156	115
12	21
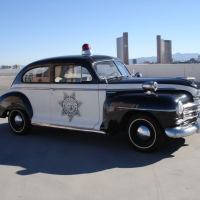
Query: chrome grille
191	111
190	115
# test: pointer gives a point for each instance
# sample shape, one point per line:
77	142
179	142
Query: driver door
74	97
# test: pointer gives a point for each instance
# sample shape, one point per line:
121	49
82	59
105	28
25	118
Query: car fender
14	101
161	106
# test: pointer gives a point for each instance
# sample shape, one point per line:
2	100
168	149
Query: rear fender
14	101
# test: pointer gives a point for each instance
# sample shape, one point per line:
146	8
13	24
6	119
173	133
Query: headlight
180	108
150	85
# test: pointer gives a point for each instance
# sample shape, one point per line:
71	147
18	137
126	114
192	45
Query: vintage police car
96	93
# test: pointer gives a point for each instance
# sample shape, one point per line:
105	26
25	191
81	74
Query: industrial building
122	48
134	61
11	67
164	51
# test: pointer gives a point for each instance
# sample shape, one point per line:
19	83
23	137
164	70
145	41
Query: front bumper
179	132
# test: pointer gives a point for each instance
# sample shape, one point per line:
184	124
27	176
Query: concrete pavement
56	164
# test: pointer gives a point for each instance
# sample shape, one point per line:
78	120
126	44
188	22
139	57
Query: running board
68	128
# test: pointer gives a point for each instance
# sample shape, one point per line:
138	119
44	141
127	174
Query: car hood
172	81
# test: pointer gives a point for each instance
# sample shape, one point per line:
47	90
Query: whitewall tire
19	122
144	133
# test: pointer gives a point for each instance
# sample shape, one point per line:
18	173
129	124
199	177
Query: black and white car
96	93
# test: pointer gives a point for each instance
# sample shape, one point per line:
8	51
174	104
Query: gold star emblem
70	106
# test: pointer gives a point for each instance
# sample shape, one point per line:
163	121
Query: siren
86	50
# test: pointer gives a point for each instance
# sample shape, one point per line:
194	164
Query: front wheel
144	133
19	122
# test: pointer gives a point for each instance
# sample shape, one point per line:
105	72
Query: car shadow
55	151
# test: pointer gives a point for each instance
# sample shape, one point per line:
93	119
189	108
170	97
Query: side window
71	73
36	75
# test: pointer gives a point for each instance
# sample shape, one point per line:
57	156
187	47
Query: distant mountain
143	59
176	57
184	56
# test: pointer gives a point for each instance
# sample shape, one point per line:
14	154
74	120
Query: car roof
60	59
63	59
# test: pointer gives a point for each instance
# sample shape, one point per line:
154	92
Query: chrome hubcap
143	133
18	120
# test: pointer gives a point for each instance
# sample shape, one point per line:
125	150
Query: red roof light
86	47
86	50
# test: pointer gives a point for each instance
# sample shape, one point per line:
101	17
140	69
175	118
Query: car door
74	97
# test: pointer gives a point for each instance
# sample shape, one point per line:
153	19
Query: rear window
37	75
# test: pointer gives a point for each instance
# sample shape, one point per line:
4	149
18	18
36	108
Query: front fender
162	106
14	101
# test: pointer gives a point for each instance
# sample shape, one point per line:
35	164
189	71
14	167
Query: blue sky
36	29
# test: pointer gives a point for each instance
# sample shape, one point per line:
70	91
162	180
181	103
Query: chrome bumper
178	132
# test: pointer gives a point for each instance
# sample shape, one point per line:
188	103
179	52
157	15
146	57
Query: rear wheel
19	122
144	133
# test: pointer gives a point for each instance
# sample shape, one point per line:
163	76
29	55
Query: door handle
52	90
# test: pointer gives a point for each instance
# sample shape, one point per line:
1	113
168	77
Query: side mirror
138	74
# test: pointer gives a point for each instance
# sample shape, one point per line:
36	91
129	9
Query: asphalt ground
56	164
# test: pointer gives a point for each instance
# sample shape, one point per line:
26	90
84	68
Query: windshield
109	69
122	68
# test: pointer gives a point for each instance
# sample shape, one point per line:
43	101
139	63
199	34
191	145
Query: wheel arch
15	101
131	113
